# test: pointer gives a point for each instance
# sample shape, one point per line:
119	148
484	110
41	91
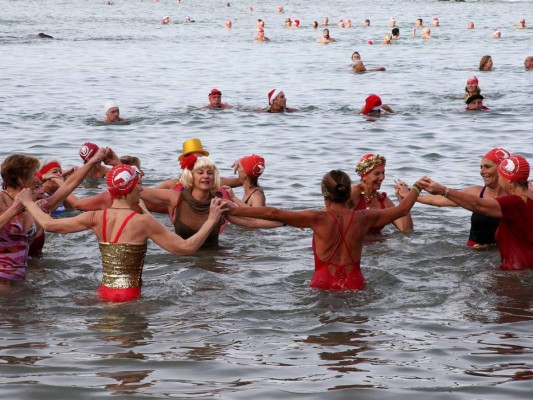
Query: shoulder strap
126	220
343	233
482	192
104	225
251	194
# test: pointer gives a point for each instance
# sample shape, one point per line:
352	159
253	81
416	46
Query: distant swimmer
215	100
112	112
228	24
341	23
475	103
359	67
528	63
277	102
436	22
485	64
315	25
426	33
348	23
261	36
470	25
392	23
521	24
367	23
387	39
43	36
325	37
419	23
496	34
373	106
288	23
472	87
325	21
356	57
165	20
279	9
260	24
395	33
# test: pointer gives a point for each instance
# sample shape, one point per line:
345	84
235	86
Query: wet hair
336	186
130	160
326	30
395	31
16	167
483	61
315	24
201	162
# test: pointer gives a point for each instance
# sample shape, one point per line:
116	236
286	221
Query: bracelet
417	188
446	190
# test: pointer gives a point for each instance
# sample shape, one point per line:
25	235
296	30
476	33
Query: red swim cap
122	179
253	165
472	79
88	150
372	102
49	166
370	42
497	155
514	169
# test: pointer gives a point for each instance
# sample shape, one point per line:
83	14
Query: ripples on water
437	320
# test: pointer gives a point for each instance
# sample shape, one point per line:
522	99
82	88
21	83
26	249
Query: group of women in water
199	209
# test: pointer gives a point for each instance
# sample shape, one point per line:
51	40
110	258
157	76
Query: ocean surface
437	319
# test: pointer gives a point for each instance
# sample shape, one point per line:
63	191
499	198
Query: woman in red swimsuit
515	210
249	169
365	195
123	234
338	230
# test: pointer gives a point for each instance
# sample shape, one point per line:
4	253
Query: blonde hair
201	162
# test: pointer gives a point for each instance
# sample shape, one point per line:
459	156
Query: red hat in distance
215	91
253	165
497	155
372	102
122	179
272	95
88	150
297	22
514	169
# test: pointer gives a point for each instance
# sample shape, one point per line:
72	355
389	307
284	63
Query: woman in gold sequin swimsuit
123	255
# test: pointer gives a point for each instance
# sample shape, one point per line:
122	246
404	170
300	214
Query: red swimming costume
341	280
362	206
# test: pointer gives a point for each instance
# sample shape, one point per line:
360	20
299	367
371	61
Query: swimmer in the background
356	57
392	23
215	100
470	25
288	23
475	103
341	23
521	24
373	106
260	24
279	9
528	63
496	34
314	25
426	33
228	24
485	64
348	23
277	102
472	87
325	21
367	23
187	20
250	9
395	33
261	36
387	39
419	23
43	36
165	20
325	37
436	22
112	112
359	67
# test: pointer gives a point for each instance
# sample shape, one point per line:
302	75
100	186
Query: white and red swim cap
88	150
122	179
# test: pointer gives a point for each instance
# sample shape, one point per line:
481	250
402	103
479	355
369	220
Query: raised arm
486	206
160	197
75	179
63	225
176	244
97	202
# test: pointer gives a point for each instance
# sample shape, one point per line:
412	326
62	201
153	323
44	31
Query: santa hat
272	95
372	103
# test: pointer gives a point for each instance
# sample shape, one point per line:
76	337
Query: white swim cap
110	104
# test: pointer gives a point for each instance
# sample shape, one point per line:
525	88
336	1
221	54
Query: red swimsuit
341	280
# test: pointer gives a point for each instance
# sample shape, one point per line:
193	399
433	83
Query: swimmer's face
228	24
280	101
367	22
470	25
471	87
215	100
325	34
476	104
375	178
240	171
488	64
356	57
419	22
203	178
528	63
489	172
113	114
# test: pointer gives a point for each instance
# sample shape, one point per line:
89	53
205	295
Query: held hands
431	186
43	205
100	155
401	189
111	157
217	208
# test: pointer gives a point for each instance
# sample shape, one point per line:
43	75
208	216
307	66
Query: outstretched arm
486	206
160	197
299	219
75	179
63	225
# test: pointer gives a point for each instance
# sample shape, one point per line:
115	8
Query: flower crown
368	164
